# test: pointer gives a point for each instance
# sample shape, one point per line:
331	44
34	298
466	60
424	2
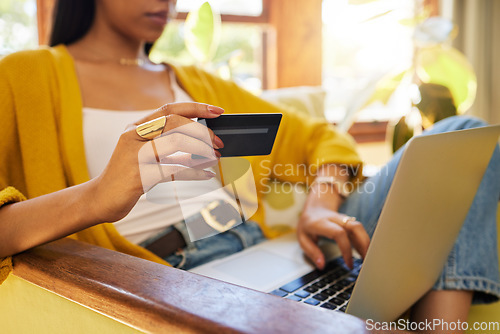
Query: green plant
202	33
435	60
18	25
228	50
436	66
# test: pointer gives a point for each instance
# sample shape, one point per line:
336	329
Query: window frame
286	44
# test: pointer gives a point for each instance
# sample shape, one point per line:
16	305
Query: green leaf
378	16
415	20
448	67
202	33
385	88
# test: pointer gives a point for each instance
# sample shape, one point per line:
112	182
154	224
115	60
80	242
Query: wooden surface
156	298
369	132
298	28
44	17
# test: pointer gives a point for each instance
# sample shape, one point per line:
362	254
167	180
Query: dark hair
71	20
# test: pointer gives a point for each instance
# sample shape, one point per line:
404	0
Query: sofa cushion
305	99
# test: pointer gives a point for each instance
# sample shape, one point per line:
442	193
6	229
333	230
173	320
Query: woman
98	76
82	92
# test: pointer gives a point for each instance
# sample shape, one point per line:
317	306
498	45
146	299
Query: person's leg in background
473	263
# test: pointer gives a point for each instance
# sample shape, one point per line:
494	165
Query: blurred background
381	69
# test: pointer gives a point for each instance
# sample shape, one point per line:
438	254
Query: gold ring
151	129
347	219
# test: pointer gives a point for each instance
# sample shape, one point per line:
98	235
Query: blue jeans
212	248
473	262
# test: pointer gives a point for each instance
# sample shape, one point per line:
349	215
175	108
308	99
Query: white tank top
158	208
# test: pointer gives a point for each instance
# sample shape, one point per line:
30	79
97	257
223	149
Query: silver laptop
433	188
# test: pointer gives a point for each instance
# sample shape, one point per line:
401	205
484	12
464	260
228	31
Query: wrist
90	199
108	200
326	183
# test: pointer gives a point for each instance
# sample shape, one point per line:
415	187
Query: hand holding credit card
244	134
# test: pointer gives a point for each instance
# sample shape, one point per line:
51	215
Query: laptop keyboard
330	288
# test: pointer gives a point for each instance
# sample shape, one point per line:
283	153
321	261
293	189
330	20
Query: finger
186	159
178	172
152	174
331	230
175	123
313	252
186	109
160	148
356	232
359	237
179	142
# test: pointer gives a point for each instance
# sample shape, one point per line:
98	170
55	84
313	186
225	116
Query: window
226	7
18	25
284	35
362	44
240	53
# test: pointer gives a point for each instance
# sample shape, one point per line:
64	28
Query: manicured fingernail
218	142
215	110
217	154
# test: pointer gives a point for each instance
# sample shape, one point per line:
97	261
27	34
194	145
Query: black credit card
245	134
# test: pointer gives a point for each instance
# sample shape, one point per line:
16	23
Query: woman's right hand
138	164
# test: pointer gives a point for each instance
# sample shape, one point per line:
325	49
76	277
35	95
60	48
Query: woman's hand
110	196
321	219
138	164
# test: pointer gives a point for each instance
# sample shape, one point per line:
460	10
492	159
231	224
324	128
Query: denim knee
457	123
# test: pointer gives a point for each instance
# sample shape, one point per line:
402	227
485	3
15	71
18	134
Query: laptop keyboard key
293	297
344	295
320	284
324	281
337	301
279	293
311	301
328	306
331	289
300	282
292	286
311	289
302	294
321	297
329	279
344	283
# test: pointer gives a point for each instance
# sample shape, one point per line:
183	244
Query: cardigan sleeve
10	156
7	196
301	140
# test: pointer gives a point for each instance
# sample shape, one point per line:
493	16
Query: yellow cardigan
42	150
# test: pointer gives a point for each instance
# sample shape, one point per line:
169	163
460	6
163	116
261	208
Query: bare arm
46	218
132	170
